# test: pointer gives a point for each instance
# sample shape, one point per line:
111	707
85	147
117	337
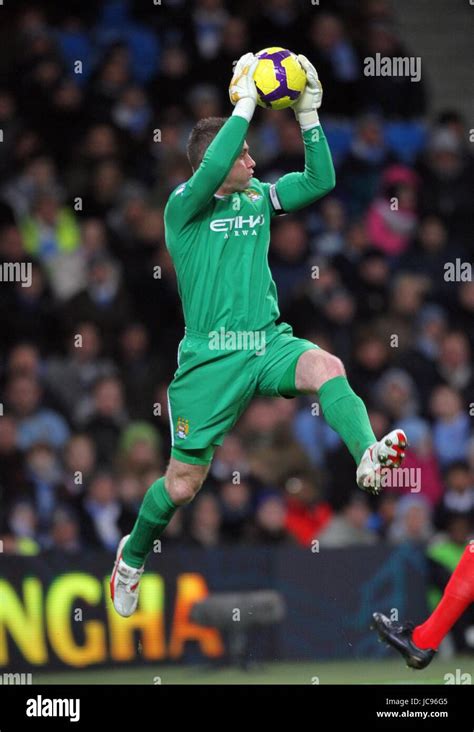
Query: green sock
345	412
154	516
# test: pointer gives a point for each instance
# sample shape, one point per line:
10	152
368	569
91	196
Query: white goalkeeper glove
242	89
307	105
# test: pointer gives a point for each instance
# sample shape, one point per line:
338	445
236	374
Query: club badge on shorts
182	427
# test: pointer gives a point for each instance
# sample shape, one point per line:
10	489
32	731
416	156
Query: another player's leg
320	371
419	644
400	637
177	487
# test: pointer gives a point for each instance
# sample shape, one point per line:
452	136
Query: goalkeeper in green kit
217	228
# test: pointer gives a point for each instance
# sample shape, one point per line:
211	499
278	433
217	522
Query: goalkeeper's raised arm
210	170
296	190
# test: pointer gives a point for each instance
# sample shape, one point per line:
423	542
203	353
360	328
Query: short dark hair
201	137
455	465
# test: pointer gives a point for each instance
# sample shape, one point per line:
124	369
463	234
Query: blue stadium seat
117	25
339	136
406	139
75	45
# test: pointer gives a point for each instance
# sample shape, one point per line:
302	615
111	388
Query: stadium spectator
65	532
288	256
205	523
71	378
419	360
392	218
269	520
371	287
51	234
104	519
446	179
307	514
463	310
30	313
393	95
330	240
104	300
22	529
24	396
362	168
44	480
236	506
139	450
139	370
337	61
105	186
350	526
382	520
230	461
107	420
458	497
451	427
454	363
370	359
209	19
12	466
412	522
421	472
396	392
79	465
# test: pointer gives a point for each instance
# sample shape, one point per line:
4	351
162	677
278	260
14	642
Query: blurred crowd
96	104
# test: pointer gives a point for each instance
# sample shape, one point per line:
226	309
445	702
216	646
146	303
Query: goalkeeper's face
240	173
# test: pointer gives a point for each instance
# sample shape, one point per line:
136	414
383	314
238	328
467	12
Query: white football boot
124	583
387	453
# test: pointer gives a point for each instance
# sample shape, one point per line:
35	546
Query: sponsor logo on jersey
238	225
182	427
253	194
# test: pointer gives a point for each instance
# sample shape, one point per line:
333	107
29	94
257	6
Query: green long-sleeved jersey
219	245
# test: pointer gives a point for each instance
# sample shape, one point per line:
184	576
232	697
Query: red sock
458	594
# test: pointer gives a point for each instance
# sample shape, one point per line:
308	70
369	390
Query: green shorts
216	379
